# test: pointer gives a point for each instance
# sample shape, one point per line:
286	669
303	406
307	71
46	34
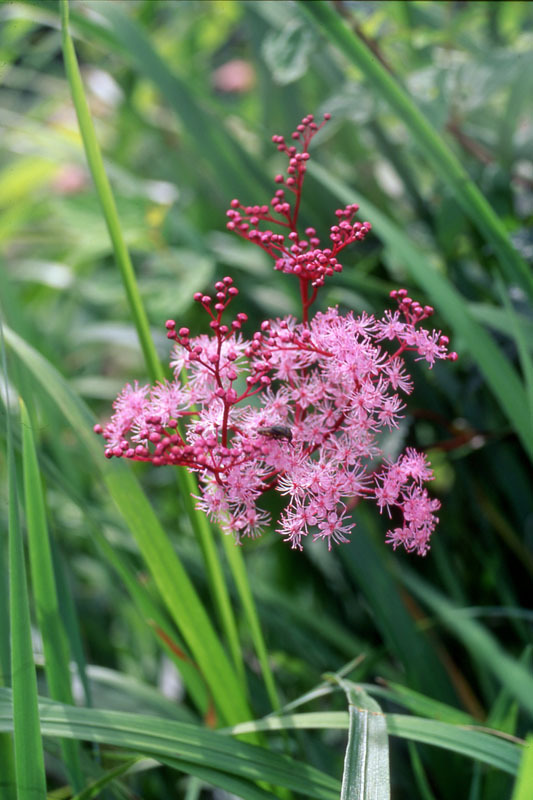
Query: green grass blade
95	787
186	481
478	745
238	569
55	645
420	704
498	371
169	574
366	762
419	773
7	756
481	746
165	738
106	199
29	758
440	157
523	788
217	584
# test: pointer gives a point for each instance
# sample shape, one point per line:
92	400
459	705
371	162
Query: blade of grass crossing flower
441	158
366	762
55	645
172	581
106	199
163	738
204	532
179	594
523	788
29	758
186	482
496	368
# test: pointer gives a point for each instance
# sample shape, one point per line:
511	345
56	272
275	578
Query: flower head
298	407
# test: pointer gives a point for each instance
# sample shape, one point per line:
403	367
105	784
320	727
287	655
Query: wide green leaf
366	762
168	739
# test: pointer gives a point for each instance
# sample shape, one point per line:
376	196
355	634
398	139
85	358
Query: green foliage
122	144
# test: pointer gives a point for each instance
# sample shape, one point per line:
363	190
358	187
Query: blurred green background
185	97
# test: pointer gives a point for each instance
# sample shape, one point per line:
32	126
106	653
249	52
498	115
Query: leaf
55	645
106	199
467	741
523	788
366	762
197	747
29	758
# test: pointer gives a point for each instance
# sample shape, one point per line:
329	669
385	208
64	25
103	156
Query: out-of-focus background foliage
185	97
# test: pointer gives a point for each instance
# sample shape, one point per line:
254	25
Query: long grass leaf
122	257
238	569
157	621
166	738
106	199
29	758
55	645
439	155
485	747
523	788
7	755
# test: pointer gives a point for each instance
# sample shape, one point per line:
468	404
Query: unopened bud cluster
297	253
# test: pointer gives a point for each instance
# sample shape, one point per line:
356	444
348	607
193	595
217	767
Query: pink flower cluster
300	407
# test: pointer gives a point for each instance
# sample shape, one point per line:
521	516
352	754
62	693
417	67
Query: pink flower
298	407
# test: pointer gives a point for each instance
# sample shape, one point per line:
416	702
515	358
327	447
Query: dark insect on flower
276	432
